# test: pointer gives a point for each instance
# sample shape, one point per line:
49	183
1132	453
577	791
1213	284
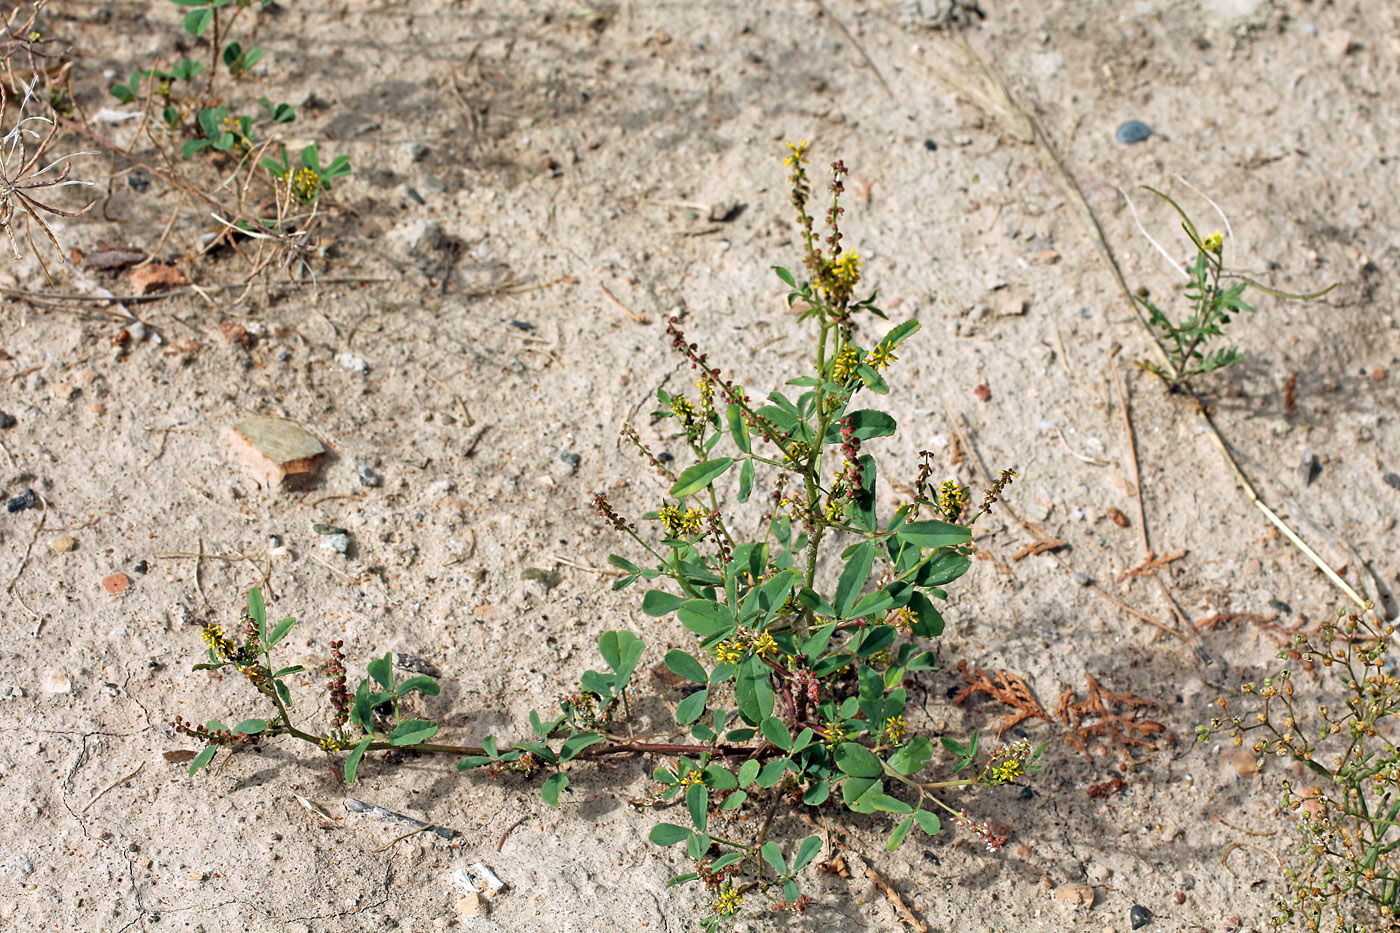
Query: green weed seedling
809	606
1193	344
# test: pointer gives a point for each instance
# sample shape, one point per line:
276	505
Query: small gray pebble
25	500
322	529
1392	480
1139	916
1133	131
572	459
368	477
1083	579
274	541
339	543
7	420
1309	467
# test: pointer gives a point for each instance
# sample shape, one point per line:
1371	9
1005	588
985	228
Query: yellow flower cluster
881	358
306	183
952	499
844	368
902	618
729	900
1214	243
797	154
896	728
678	524
835	733
1007	763
797	452
706	387
727	652
732	650
683	409
846	271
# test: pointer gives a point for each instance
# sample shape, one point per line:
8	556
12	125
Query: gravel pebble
25	500
7	420
1133	131
1139	916
368	477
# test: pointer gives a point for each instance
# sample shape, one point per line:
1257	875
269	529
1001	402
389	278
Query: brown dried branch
1039	547
1151	565
1101	716
1006	688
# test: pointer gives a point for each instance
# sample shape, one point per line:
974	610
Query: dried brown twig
1004	687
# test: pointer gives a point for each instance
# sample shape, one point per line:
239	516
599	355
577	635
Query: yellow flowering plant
810	610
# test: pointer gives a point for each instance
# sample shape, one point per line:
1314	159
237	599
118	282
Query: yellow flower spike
881	358
896	728
797	153
1214	243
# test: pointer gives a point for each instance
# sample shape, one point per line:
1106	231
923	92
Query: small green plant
811	608
1213	295
1345	876
310	179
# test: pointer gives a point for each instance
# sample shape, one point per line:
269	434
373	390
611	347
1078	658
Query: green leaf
294	669
753	693
857	761
776	731
699	476
622	650
280	631
932	534
928	822
745	480
362	712
733	802
738	428
748	771
897	837
929	621
422	684
685	665
205	756
196	21
806	852
773	854
786	276
352	763
889	804
872	603
549	791
258	612
853	578
382	670
817	794
705	617
412	732
912	756
943	568
692	707
867	423
577	743
473	761
772	772
697	801
697	845
251	726
658	603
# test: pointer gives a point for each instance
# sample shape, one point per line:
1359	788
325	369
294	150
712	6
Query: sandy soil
510	142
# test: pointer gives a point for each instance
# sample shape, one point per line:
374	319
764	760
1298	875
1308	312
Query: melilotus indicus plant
809	618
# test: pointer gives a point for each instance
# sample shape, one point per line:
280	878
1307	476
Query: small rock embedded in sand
469	905
64	543
1243	762
25	500
55	682
1097	874
1340	43
197	876
983	392
116	583
1076	894
155	277
1139	916
278	452
7	420
1012	307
